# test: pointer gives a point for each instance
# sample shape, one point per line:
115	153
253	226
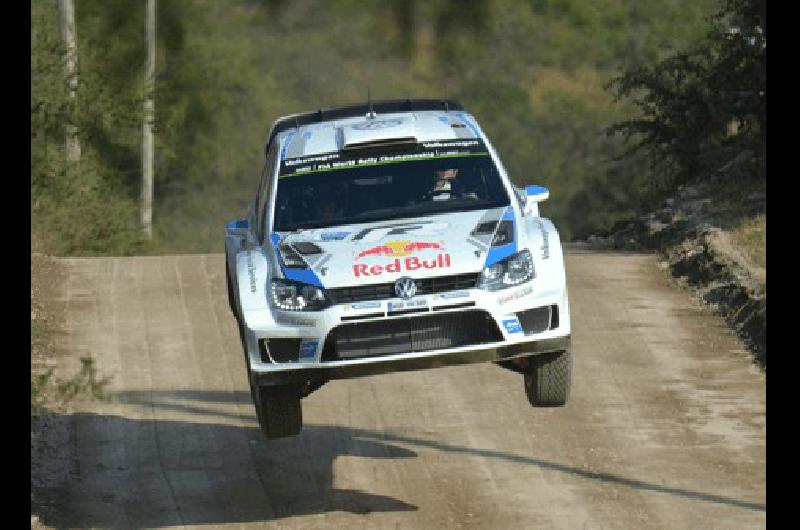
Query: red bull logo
397	250
442	261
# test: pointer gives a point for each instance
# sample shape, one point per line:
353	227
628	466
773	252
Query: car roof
372	123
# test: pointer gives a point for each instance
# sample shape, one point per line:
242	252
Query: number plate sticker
512	325
410	304
308	349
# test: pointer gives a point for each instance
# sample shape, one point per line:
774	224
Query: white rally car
386	237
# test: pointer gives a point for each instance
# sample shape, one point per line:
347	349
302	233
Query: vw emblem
405	288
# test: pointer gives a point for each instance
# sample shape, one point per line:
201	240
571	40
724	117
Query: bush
705	110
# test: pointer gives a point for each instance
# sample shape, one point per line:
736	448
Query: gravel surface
665	428
691	232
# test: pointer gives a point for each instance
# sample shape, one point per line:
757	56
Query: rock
685	230
664	215
689	192
696	205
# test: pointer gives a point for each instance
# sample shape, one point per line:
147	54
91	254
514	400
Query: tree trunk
66	10
149	116
424	41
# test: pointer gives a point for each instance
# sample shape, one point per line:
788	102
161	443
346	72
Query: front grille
382	291
414	334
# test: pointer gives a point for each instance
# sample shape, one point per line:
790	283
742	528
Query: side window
264	190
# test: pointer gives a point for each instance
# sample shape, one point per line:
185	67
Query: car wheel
548	379
231	298
279	410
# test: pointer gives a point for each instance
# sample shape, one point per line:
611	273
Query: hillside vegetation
533	73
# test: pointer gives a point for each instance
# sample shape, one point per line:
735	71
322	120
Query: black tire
548	379
278	409
231	298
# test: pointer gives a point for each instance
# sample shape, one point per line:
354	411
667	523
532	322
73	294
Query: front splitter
391	363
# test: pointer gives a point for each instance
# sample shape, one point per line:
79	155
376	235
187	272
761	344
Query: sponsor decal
308	349
513	296
251	270
455	294
442	261
290	320
455	143
305	165
512	325
374	125
366	305
334	236
545	248
308	159
419	302
399	248
422	227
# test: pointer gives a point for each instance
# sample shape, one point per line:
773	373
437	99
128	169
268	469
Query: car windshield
352	189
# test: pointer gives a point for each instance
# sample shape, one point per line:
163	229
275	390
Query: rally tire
548	379
231	298
279	410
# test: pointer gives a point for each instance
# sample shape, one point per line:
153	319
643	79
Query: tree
69	33
147	123
704	110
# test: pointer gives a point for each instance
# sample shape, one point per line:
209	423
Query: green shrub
705	110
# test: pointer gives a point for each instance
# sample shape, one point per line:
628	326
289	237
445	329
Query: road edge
687	232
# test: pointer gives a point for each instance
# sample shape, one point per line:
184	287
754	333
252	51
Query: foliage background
532	72
703	113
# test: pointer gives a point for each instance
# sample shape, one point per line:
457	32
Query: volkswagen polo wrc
385	237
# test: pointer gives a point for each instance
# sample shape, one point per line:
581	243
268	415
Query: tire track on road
665	426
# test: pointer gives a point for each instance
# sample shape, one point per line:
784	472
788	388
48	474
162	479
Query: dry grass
44	274
750	238
746	243
47	390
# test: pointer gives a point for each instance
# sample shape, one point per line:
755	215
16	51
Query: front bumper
407	362
312	329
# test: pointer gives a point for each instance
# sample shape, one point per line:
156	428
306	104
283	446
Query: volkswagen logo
405	288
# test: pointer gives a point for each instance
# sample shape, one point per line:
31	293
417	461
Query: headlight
294	296
514	270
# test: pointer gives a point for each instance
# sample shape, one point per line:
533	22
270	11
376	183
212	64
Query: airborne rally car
387	237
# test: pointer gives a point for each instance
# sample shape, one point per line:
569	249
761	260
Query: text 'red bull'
442	261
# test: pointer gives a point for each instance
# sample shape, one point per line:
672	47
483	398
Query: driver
332	203
443	183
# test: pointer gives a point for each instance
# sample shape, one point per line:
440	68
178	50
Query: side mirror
533	196
238	227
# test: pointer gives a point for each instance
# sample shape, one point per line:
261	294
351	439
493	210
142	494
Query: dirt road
665	427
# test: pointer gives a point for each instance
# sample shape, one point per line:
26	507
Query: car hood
381	252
